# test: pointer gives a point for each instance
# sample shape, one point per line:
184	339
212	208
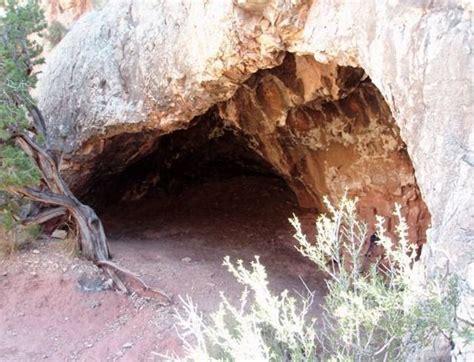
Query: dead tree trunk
56	194
92	239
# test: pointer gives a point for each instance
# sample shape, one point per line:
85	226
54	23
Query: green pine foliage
21	23
19	51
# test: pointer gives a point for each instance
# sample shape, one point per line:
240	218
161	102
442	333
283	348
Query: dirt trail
177	243
50	308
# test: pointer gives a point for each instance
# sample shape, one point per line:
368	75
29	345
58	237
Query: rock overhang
400	50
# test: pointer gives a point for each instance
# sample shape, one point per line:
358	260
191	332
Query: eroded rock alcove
128	75
323	129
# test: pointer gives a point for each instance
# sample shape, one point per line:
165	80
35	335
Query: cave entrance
227	183
201	195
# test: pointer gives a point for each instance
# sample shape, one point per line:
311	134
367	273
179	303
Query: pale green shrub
387	312
384	313
16	238
272	327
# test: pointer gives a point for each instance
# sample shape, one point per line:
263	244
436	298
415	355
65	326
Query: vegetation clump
19	55
388	312
56	32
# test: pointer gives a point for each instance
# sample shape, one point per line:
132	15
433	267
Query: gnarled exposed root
110	266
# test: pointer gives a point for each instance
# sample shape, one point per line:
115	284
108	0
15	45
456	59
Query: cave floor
177	242
49	311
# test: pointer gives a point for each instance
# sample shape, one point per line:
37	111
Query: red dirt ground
176	243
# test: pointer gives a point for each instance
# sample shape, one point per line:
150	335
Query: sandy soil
52	306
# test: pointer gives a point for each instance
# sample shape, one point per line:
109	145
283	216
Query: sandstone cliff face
420	58
136	70
67	11
325	129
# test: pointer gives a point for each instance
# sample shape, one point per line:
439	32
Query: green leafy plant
388	312
263	328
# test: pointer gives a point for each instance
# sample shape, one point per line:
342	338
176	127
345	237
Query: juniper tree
29	169
16	168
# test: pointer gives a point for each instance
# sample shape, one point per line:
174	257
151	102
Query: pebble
186	260
36	251
128	345
95	305
108	284
59	234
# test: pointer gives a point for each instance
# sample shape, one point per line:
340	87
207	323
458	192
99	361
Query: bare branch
46	164
38	119
45	197
44	216
111	264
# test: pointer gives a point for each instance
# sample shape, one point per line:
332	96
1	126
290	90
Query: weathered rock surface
66	11
326	129
137	67
419	55
136	70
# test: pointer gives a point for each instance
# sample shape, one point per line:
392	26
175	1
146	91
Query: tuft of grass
70	243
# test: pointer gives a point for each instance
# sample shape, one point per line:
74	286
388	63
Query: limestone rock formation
378	96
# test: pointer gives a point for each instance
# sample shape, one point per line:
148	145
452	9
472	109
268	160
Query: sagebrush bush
384	313
265	327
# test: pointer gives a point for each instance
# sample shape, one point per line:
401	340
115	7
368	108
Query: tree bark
91	239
